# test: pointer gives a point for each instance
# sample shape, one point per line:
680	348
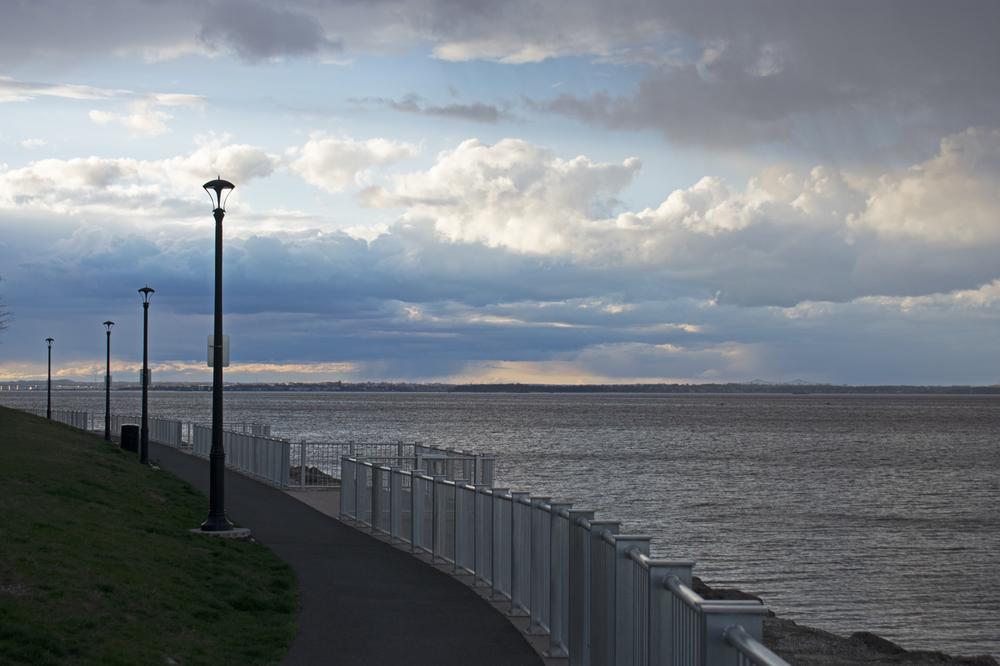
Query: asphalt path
362	601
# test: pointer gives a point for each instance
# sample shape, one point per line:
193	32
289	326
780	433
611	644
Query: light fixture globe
218	191
108	324
146	292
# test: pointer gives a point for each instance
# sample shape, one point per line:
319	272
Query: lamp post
48	389
144	427
218	191
107	387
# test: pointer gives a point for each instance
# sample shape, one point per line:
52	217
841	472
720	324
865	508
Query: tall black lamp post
48	389
107	387
218	191
144	427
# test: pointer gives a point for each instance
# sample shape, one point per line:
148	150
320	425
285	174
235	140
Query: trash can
130	438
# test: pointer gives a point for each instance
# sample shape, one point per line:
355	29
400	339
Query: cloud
840	76
144	117
124	186
512	194
508	260
837	77
32	143
256	31
12	90
335	163
789	235
475	112
143	121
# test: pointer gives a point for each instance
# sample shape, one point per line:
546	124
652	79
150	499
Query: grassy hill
97	565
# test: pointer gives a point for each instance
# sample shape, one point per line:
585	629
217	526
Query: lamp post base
231	533
216	524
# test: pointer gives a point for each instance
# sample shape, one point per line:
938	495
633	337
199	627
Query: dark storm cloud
258	31
754	72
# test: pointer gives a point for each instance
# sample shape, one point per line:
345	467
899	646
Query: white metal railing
262	458
118	420
317	464
77	419
164	431
595	592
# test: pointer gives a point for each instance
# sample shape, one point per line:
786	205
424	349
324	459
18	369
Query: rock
800	645
877	643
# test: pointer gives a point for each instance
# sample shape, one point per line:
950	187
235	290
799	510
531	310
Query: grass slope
97	565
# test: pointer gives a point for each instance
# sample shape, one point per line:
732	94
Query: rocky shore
805	646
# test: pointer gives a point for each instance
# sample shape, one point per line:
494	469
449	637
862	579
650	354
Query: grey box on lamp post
218	191
144	427
107	387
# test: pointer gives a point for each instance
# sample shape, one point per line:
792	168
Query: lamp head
218	191
50	341
146	292
108	324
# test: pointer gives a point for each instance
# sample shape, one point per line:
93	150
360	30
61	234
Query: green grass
97	565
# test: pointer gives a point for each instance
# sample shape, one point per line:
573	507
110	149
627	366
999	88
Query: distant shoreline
754	388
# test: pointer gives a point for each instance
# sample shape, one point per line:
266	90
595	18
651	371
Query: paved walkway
363	601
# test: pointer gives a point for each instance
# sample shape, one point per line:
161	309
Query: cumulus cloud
508	260
124	185
512	194
335	163
789	235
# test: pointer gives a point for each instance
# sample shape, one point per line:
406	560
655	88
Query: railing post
416	508
719	616
376	499
520	555
395	504
627	597
579	587
538	595
500	549
661	620
460	510
558	579
302	465
602	592
436	514
358	483
482	546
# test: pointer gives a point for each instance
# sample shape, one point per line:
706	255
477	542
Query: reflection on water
847	513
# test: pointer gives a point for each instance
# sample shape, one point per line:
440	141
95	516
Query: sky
568	191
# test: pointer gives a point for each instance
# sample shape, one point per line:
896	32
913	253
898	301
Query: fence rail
318	464
595	592
75	418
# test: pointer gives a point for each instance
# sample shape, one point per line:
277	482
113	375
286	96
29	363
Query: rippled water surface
847	513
